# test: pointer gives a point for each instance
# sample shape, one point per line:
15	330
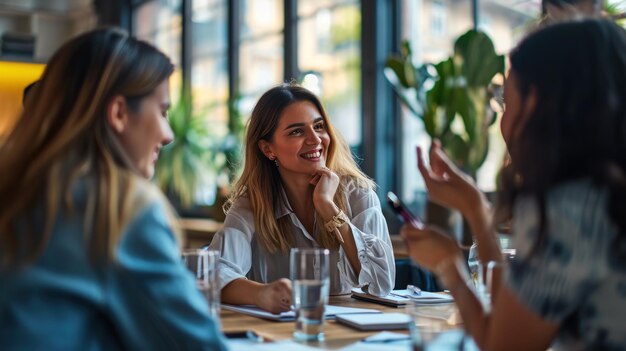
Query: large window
160	23
209	70
261	49
237	49
432	26
329	37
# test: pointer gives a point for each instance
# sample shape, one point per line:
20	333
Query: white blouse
243	256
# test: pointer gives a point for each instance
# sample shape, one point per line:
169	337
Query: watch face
341	219
337	221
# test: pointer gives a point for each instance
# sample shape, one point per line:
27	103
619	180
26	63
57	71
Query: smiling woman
300	143
300	187
144	129
83	233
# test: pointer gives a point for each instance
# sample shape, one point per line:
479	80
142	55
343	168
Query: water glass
311	284
428	322
483	274
204	266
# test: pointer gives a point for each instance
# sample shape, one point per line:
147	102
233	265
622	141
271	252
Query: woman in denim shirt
565	188
89	258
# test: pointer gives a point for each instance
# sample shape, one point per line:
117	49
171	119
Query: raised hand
446	184
325	182
275	297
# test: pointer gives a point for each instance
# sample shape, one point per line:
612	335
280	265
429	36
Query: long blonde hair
261	183
63	136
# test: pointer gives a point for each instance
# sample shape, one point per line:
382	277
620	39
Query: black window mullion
233	41
114	13
380	146
475	15
186	54
291	69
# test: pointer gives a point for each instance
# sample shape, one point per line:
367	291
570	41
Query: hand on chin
315	176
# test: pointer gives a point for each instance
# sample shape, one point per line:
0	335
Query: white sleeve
373	245
233	242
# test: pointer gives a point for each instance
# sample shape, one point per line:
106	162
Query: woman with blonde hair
300	187
89	256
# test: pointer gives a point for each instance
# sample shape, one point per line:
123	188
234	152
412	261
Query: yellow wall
14	77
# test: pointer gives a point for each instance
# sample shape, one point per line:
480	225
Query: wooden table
199	231
336	335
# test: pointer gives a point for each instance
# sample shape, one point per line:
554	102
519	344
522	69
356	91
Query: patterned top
574	279
243	256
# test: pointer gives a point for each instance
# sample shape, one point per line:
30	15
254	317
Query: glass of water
309	276
204	266
428	323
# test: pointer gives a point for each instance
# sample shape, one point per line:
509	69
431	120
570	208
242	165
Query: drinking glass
483	276
428	322
204	266
309	276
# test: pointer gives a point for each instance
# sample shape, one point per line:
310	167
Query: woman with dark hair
89	251
565	188
300	187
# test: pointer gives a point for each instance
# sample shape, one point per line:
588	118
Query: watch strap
337	221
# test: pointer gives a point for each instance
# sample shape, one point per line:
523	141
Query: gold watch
337	221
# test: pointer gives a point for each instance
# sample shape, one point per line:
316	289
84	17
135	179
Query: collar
284	207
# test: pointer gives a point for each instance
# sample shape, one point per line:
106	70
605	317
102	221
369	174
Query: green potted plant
186	160
452	97
227	157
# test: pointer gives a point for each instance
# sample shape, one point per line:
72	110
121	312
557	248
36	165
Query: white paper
383	341
380	321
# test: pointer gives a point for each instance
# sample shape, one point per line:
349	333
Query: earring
273	158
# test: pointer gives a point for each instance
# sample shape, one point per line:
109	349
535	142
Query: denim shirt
144	300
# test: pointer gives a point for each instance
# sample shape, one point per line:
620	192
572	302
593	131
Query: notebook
380	321
400	298
330	313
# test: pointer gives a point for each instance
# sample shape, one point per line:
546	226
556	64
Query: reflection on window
261	49
329	47
160	22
